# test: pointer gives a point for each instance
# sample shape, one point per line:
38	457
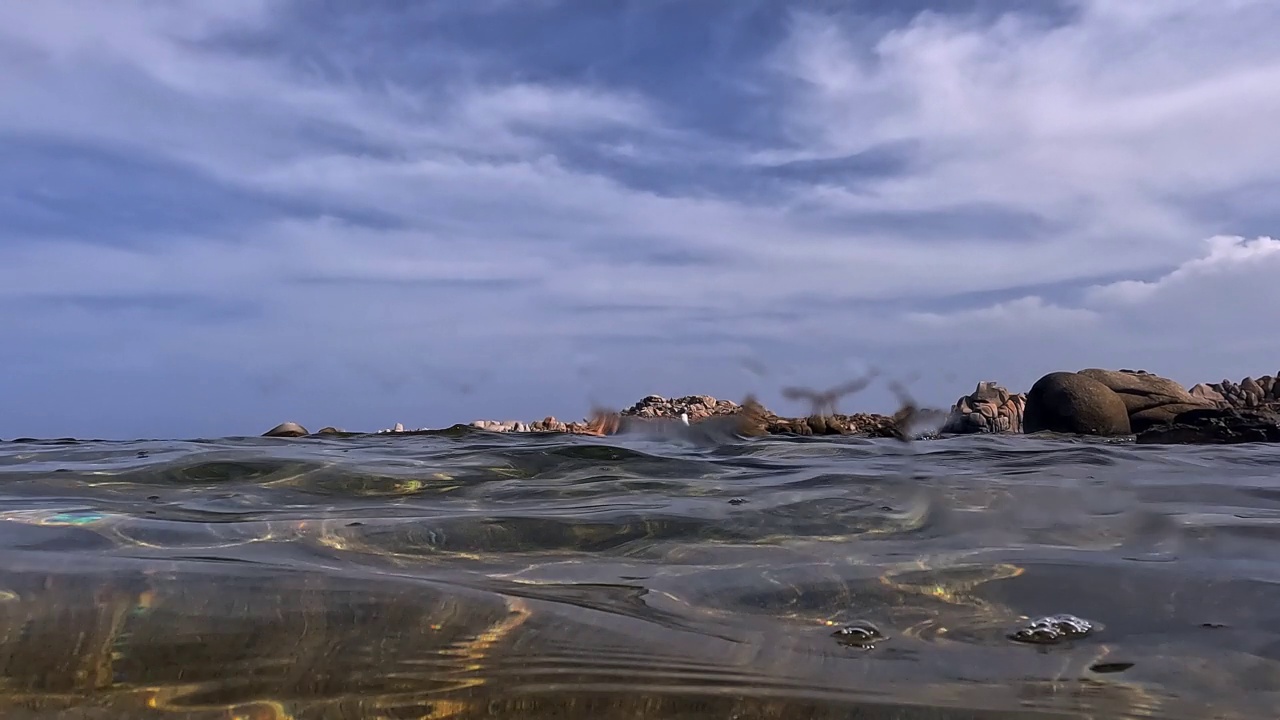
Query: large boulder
1067	402
1149	399
988	409
1216	426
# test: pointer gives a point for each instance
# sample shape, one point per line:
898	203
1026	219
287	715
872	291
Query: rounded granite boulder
1149	399
1068	402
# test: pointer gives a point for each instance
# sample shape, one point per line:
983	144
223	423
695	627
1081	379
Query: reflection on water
474	575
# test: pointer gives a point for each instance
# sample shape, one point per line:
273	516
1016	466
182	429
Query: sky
218	216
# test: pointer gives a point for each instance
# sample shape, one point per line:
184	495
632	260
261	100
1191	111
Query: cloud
1229	262
1102	123
1021	317
363	207
1197	322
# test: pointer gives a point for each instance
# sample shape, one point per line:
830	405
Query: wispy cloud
210	194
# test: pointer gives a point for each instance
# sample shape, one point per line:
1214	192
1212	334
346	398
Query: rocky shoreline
1093	402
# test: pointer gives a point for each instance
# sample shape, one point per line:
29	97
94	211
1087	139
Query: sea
673	574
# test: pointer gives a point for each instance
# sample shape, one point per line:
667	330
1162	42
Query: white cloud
1104	124
1204	320
1218	276
1024	316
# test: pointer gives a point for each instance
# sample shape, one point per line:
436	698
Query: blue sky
218	216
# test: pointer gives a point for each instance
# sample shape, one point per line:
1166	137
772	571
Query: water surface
471	575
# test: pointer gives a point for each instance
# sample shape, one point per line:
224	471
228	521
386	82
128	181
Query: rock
1216	426
286	429
1148	398
1263	392
1068	402
504	426
1253	392
696	407
330	430
548	424
750	419
988	409
857	424
1206	393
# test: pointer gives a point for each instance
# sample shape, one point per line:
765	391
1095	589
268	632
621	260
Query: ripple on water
459	574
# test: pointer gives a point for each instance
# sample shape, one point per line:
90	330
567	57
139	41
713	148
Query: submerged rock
1216	426
286	429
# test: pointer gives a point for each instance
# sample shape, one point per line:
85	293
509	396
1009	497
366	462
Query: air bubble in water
1052	629
859	634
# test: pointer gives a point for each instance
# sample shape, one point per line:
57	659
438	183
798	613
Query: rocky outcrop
501	425
549	424
695	407
988	409
857	424
1248	393
1216	426
286	429
1067	402
1148	398
750	419
1092	401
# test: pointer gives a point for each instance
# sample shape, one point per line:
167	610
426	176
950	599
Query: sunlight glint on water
639	576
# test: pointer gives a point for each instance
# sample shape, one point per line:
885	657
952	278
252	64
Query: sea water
475	574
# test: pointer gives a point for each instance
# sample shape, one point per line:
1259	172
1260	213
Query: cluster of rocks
1135	402
547	424
754	419
870	424
988	409
1093	401
695	407
750	418
1248	393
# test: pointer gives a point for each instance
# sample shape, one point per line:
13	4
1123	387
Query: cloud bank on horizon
218	216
